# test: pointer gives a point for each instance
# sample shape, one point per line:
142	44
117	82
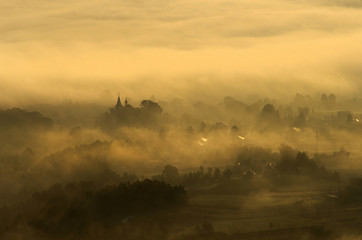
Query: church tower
119	104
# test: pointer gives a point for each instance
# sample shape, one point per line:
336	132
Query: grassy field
305	214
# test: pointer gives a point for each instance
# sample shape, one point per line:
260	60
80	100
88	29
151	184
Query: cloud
342	3
78	49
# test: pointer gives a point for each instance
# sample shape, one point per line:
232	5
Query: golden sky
82	49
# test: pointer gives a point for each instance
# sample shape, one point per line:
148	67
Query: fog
81	50
180	119
257	156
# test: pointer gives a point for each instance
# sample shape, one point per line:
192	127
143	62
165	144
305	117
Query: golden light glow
80	49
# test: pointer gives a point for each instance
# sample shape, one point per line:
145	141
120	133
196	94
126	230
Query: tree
324	97
226	174
286	165
217	173
324	100
332	100
268	109
170	174
301	120
151	106
269	114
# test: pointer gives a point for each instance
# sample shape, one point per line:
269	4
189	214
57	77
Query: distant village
264	115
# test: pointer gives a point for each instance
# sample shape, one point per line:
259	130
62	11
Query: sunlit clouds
79	49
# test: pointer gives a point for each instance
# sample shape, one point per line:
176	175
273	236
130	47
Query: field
284	214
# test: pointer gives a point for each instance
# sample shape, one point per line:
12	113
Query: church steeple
119	104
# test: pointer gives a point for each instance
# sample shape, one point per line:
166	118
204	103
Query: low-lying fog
184	117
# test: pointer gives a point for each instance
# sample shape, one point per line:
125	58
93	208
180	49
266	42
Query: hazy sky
91	49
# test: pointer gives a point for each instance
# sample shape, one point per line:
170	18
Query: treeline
72	209
202	176
19	127
277	165
17	118
127	115
256	162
